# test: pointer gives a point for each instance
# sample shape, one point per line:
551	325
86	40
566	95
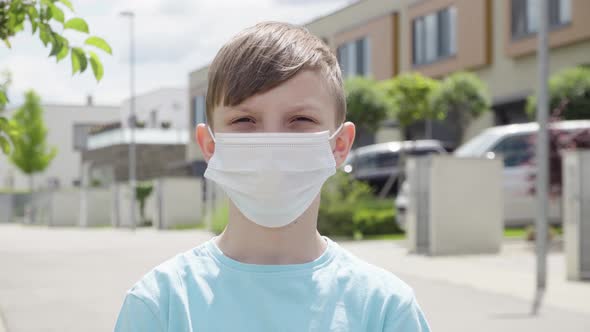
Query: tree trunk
458	119
33	210
464	121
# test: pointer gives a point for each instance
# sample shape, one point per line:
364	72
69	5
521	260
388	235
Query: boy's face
301	104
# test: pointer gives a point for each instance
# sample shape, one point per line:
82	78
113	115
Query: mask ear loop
211	133
336	132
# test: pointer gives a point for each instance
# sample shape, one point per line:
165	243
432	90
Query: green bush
408	95
189	226
343	189
572	86
375	217
336	220
464	92
220	218
366	103
142	191
461	97
349	208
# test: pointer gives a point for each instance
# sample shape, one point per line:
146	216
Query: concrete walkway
74	280
512	273
2	325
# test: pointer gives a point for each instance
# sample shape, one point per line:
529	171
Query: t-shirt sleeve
408	318
137	316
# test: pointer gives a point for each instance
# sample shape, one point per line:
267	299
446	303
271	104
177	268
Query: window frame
530	32
354	57
443	28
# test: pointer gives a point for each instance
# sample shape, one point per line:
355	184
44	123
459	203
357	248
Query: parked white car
515	144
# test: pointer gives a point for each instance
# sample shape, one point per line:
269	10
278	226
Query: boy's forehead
305	92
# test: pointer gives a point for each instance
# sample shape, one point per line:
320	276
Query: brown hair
263	56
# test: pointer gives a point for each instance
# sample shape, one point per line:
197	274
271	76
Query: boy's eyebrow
242	109
301	107
304	106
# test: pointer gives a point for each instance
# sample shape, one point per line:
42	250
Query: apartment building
495	39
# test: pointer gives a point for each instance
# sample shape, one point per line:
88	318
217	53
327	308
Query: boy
275	133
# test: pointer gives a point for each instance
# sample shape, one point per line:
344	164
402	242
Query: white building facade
67	127
157	108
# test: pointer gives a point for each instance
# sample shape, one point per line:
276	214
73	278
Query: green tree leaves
96	65
31	153
412	97
63	52
366	104
68	4
99	43
462	91
462	96
8	131
56	13
570	87
79	61
43	16
408	95
78	24
40	13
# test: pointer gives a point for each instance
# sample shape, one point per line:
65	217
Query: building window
80	133
355	58
525	16
199	113
434	36
154	118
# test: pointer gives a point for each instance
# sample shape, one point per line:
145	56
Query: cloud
178	7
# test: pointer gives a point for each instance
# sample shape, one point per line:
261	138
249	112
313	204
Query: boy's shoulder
372	279
169	277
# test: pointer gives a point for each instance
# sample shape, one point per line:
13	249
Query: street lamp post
542	155
132	118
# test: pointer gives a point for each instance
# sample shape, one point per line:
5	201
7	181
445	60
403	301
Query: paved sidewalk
66	280
512	273
2	325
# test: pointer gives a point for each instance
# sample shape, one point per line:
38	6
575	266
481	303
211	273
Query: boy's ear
343	143
205	141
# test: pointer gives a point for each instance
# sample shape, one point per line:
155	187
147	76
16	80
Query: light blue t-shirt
204	290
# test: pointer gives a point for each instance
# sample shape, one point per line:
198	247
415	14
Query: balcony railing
122	136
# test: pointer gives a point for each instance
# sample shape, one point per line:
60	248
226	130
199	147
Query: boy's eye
303	118
243	120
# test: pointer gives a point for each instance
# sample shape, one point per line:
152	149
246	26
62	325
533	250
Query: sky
172	38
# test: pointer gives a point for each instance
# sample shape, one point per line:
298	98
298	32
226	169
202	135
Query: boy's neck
296	243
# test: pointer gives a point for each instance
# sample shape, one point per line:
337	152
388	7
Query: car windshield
389	158
424	151
377	160
477	146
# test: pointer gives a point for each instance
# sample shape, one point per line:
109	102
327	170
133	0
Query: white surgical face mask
272	178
